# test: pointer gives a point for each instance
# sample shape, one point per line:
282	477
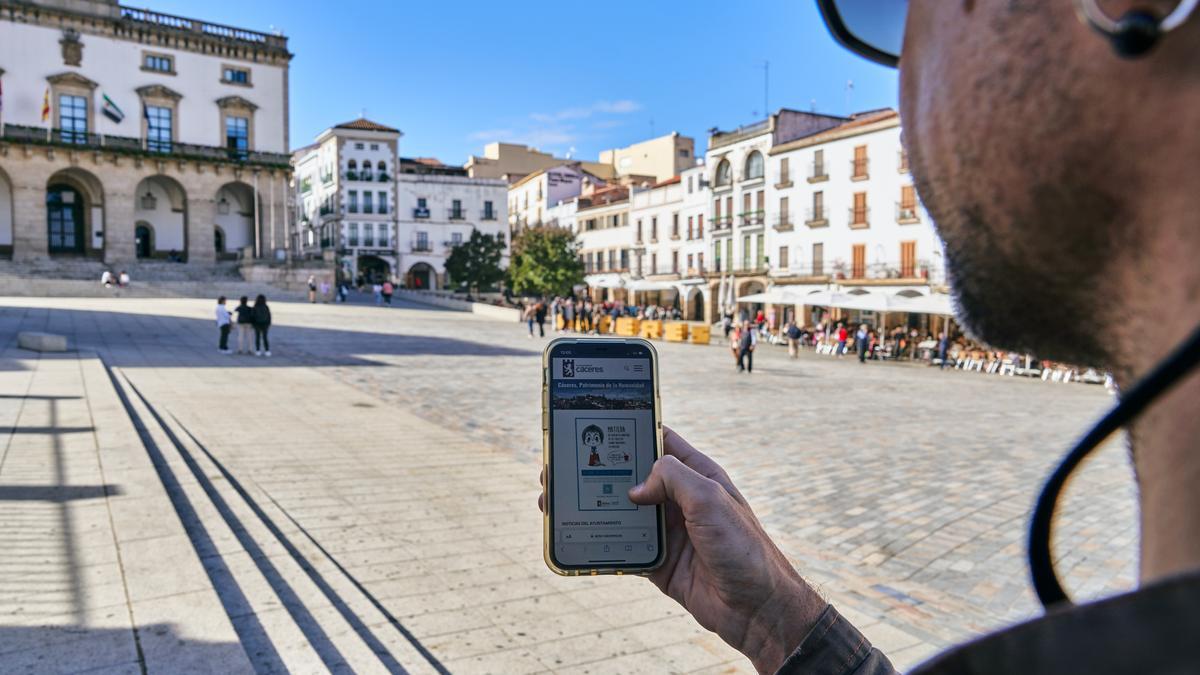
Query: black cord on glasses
1165	375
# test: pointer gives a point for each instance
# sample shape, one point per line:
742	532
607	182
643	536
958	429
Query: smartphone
601	434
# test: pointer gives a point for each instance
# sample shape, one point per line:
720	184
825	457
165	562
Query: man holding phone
1055	143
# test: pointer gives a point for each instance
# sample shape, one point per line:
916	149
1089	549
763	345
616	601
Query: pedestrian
387	289
860	342
377	289
569	315
343	291
106	278
527	317
747	341
943	350
554	314
245	324
224	324
539	315
842	335
324	291
124	279
793	338
312	289
262	324
727	323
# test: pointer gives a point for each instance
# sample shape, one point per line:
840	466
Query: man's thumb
671	480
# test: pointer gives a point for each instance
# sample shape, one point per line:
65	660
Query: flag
46	106
1	97
111	110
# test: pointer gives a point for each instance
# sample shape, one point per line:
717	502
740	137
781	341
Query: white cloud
619	107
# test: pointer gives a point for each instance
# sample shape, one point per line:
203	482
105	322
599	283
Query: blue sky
456	74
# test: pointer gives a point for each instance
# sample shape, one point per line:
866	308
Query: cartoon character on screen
593	438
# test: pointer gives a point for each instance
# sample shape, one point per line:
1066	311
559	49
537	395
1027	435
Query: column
30	234
201	219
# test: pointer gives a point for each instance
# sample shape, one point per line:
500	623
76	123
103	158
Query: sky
566	77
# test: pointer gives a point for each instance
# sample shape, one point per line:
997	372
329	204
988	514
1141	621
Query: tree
476	261
545	262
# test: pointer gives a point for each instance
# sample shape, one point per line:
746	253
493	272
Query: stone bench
42	342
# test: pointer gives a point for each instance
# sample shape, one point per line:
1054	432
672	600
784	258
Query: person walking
312	289
324	291
539	315
224	324
262	324
793	338
747	341
943	350
527	317
377	290
842	336
388	289
860	342
569	315
245	324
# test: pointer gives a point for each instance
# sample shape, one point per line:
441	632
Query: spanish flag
46	106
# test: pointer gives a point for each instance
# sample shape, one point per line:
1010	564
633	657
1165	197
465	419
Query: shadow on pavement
73	648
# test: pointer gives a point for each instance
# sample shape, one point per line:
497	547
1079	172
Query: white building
130	134
345	191
603	235
530	198
439	207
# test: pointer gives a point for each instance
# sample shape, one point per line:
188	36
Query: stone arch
723	176
747	310
235	213
421	277
755	166
160	203
75	213
373	269
694	304
6	215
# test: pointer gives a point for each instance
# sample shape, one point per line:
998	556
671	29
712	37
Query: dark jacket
262	315
245	314
1151	630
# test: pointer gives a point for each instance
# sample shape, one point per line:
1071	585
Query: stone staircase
149	279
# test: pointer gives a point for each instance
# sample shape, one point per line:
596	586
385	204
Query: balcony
893	272
858	169
860	219
457	214
488	215
752	218
722	224
420	213
131	15
814	272
785	181
383	177
817	217
78	140
383	209
422	247
906	214
783	223
817	172
351	175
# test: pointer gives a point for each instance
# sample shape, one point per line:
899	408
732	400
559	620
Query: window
729	209
746	252
612	259
674	262
858	261
383	205
745	208
232	75
818	260
859	163
358	146
158	63
354	234
903	168
782	263
724	175
683	152
908	259
422	242
784	171
674	225
158	128
73	118
456	210
367	173
785	212
754	166
858	213
639	232
653	229
689	185
818	207
421	203
907	208
760	258
456	238
700	226
818	167
237	136
717	256
760	205
368	234
639	265
368	203
700	262
352	170
489	212
691	224
375	146
353	199
384	229
717	210
624	258
653	263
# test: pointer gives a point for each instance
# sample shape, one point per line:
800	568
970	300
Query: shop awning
604	281
647	285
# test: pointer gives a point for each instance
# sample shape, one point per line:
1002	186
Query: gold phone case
547	534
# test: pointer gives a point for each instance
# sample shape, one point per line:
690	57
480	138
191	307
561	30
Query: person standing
539	315
842	335
747	341
860	342
324	291
262	324
312	289
224	324
569	315
377	289
388	289
527	317
943	350
245	324
793	338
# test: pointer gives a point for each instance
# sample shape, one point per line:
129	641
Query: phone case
547	535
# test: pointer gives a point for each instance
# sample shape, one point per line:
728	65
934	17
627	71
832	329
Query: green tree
545	261
476	262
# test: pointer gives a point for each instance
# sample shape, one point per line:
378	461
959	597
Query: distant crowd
581	315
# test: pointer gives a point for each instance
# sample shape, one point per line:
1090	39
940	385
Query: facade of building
345	190
530	198
127	134
512	162
660	158
439	207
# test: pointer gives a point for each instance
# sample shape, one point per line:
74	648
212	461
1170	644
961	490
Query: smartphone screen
603	438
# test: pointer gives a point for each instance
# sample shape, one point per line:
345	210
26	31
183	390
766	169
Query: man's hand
720	564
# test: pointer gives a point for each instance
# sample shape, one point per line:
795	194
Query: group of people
108	279
250	319
581	315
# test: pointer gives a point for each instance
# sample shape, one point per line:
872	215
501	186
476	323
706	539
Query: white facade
530	198
603	232
438	212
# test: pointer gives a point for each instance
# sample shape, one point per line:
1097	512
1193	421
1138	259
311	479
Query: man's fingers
670	480
676	446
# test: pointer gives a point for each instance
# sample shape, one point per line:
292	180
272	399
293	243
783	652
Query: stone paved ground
404	441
